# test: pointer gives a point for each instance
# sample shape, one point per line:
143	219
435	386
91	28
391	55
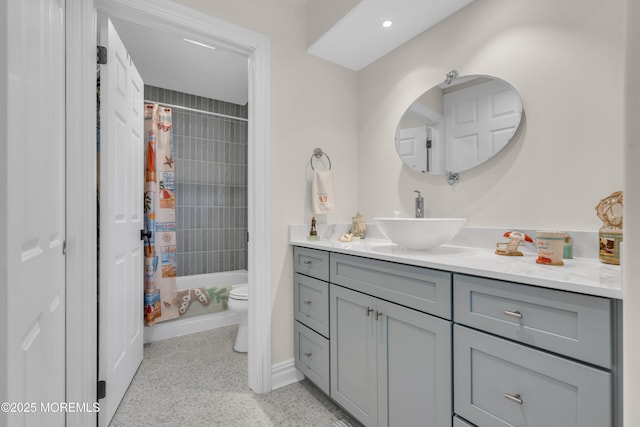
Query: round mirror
458	124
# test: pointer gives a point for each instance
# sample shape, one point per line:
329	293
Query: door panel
353	353
121	289
35	203
414	367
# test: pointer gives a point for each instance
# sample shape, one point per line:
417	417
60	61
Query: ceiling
357	39
165	60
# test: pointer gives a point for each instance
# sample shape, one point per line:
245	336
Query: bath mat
340	423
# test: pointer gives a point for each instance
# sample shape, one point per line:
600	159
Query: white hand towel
322	192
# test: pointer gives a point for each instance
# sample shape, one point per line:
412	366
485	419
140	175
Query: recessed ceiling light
387	23
200	44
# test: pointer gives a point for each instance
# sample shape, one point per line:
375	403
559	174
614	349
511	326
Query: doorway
181	21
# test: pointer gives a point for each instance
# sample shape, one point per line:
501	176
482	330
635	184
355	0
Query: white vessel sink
420	233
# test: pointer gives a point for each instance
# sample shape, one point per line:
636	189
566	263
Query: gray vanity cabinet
400	345
311	312
520	352
390	365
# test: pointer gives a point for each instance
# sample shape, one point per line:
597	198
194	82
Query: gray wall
211	183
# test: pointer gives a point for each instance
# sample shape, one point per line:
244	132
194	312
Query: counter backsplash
585	243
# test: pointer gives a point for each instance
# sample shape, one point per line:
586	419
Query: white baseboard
284	373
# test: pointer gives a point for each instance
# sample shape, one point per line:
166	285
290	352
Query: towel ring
318	153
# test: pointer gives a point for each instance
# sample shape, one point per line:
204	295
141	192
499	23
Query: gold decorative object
313	234
609	210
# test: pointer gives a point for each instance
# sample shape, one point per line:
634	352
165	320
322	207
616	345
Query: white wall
565	58
314	104
631	271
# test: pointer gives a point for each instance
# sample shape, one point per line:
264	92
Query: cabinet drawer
571	324
420	288
311	303
312	262
501	383
312	356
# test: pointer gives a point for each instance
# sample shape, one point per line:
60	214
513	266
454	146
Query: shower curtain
160	264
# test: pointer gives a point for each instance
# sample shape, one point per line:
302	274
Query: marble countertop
582	275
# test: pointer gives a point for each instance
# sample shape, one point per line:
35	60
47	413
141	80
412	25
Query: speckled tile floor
198	380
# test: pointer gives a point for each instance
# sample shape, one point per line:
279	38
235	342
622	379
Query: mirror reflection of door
467	121
412	147
480	120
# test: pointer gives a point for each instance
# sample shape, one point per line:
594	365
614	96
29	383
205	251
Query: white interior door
412	147
33	196
121	191
480	121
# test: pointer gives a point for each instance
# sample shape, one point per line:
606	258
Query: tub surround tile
211	183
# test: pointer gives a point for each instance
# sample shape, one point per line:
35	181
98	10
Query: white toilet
239	303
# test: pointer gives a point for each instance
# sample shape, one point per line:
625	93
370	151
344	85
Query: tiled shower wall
211	182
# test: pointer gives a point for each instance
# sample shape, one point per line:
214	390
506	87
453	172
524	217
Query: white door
480	120
121	257
33	199
412	147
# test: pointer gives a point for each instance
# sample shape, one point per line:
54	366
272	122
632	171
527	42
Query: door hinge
102	389
102	55
64	247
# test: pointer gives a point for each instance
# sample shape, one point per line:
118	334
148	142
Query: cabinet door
414	368
353	353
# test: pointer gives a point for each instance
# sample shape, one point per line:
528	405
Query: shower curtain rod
196	110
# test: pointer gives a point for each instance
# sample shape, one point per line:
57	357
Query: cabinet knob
307	262
514	398
307	302
515	314
309	355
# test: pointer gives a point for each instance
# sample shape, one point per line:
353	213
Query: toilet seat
240	293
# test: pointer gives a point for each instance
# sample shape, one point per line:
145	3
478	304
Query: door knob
143	234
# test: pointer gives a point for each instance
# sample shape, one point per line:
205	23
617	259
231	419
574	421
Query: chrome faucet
419	205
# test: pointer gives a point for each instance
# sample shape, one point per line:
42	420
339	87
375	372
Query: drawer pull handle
515	314
306	262
307	302
514	398
378	314
369	311
309	355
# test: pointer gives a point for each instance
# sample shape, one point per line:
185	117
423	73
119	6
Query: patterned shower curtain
160	264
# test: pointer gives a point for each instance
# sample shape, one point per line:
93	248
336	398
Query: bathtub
190	323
